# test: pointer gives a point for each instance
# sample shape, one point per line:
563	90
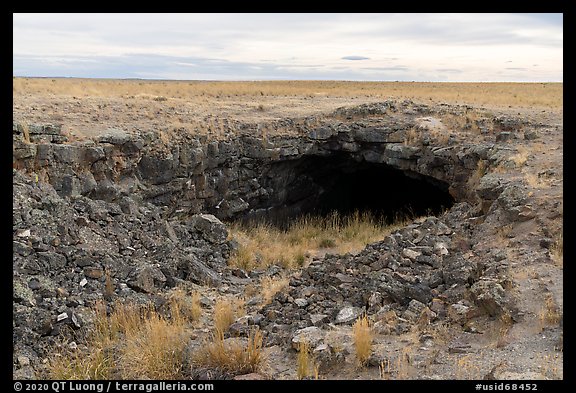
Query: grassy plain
502	94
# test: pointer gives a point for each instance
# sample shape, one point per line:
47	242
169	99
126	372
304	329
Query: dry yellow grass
75	365
557	250
521	157
363	336
188	306
551	366
156	351
474	179
133	342
535	181
304	361
108	285
501	94
272	285
404	370
224	315
467	368
232	356
262	244
549	314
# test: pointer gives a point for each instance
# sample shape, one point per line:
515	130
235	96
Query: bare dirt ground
528	349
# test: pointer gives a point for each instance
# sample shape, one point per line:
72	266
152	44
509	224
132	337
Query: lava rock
311	335
211	228
490	296
347	315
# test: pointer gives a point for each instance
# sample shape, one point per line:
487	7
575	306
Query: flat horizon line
273	80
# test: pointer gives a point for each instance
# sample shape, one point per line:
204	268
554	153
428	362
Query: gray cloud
395	68
449	70
288	46
355	58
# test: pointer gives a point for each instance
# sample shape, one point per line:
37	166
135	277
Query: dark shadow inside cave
319	185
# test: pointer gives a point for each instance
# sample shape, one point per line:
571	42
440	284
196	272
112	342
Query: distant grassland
541	95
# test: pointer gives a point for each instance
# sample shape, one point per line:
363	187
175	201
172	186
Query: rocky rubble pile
422	273
69	253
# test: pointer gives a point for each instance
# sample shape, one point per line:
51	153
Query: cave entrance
319	185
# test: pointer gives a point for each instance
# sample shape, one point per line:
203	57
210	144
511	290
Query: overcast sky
372	47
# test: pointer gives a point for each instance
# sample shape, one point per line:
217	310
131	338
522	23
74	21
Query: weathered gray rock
490	296
404	152
414	310
193	269
21	293
147	279
505	136
459	313
311	335
52	260
156	170
93	154
491	186
348	315
321	133
530	134
411	254
326	357
458	270
371	135
211	228
115	136
512	201
319	319
67	154
300	302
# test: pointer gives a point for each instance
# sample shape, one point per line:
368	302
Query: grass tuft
271	285
186	306
232	355
557	250
132	342
549	314
363	337
224	315
304	363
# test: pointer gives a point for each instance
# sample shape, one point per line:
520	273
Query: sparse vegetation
467	368
403	367
412	137
187	305
25	133
479	172
557	250
272	285
225	312
503	326
549	314
521	157
156	350
108	285
232	355
305	366
133	342
362	339
503	94
262	244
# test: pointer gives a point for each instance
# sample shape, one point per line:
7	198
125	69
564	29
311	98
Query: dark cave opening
378	188
319	185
